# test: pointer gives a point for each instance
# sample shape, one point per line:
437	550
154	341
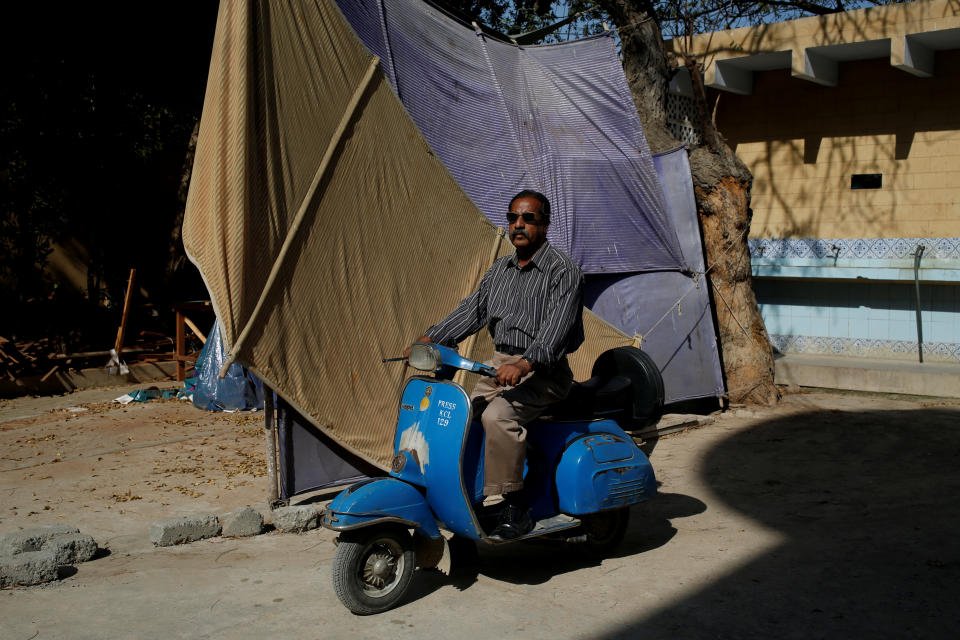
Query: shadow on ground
537	561
869	504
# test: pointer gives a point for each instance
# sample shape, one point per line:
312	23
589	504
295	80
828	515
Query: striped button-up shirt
537	308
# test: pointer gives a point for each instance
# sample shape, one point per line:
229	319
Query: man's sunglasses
529	218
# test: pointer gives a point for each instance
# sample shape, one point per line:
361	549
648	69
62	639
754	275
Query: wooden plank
195	329
181	347
121	332
672	423
49	373
89	354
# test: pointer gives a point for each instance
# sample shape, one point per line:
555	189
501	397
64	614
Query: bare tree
722	187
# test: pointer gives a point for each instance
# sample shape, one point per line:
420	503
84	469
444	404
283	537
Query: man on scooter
532	304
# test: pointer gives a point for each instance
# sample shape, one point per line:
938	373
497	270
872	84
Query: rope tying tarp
696	275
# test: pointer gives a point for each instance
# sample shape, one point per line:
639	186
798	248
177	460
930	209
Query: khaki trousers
507	410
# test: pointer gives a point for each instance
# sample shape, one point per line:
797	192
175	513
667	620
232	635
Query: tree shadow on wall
806	141
869	504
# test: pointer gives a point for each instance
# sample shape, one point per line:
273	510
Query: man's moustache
519	232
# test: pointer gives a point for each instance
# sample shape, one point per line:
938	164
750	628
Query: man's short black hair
544	203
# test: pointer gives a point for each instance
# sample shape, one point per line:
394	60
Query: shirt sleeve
564	311
469	317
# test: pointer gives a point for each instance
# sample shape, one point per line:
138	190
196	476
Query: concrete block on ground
27	568
245	521
297	518
171	531
71	547
31	539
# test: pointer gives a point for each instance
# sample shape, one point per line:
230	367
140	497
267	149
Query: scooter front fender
377	501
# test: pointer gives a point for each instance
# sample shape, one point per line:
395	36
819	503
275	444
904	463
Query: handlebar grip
487	371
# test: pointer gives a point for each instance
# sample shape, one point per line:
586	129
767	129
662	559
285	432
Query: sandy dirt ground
108	468
829	515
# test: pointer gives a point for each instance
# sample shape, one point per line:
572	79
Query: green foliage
516	17
676	17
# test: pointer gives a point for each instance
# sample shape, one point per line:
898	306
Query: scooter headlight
424	356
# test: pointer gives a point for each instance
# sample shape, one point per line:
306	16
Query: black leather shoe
514	522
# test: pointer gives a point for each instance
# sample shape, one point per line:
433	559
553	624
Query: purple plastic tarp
558	118
309	460
670	311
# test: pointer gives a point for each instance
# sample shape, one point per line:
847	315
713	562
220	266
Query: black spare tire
645	379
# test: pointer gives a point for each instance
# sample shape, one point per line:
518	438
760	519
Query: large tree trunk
722	187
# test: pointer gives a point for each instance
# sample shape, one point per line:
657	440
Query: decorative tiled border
858	248
867	348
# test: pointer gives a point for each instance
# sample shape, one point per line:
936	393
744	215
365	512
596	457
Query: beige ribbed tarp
328	234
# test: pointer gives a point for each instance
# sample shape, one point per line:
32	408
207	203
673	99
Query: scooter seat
598	397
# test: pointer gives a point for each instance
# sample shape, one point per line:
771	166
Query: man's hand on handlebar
510	374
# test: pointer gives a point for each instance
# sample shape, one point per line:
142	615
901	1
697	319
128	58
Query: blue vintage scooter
583	472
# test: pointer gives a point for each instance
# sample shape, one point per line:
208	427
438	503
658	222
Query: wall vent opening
866	181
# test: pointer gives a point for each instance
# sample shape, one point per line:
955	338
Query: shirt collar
537	258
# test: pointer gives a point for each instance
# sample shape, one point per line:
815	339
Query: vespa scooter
583	472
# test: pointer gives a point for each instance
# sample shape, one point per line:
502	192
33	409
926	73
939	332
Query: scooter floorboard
553	524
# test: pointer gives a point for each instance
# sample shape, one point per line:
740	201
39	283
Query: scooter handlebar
484	370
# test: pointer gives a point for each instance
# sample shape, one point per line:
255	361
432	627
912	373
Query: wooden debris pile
42	357
29	364
20	359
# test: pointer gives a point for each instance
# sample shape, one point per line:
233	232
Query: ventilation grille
627	492
682	118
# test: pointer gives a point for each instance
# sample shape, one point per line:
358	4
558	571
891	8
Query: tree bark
722	188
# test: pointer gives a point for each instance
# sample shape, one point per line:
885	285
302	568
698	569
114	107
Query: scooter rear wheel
372	568
605	530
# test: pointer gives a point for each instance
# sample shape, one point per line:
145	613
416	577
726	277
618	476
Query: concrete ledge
297	518
28	568
862	374
67	381
171	531
71	548
33	539
245	521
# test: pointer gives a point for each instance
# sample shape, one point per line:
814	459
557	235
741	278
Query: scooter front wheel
372	568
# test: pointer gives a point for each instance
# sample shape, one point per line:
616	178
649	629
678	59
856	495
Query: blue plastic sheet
239	390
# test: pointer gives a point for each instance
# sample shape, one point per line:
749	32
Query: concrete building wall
803	142
869	320
848	291
808	105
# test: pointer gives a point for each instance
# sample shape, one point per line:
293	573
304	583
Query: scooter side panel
548	441
380	500
472	465
433	425
601	471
